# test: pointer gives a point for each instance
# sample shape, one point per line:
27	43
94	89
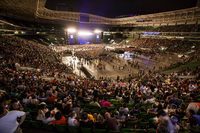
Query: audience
62	100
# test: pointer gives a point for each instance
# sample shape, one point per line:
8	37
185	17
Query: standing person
10	121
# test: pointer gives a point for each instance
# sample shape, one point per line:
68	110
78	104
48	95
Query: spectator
105	103
195	106
85	122
15	105
42	111
9	120
59	119
165	124
72	121
48	118
112	122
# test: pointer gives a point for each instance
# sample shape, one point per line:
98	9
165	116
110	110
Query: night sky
114	8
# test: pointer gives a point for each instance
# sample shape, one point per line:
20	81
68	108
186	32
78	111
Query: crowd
177	28
178	51
160	45
172	102
59	102
30	54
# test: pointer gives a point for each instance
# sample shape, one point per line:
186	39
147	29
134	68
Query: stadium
67	69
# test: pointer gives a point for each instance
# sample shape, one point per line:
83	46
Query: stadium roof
114	8
38	11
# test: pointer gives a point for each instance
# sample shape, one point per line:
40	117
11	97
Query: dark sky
114	8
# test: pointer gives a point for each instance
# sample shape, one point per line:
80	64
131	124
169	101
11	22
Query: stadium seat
96	130
86	130
73	129
60	128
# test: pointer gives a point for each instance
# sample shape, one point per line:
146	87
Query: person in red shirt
105	103
51	99
59	119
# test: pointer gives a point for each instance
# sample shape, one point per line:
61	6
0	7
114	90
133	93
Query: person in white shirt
48	118
41	112
72	121
9	120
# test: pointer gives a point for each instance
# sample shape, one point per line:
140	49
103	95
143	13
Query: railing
85	71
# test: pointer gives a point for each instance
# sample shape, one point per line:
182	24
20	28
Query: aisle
108	72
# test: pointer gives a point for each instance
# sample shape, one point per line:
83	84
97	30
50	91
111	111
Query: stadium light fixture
71	30
97	31
84	33
16	32
71	36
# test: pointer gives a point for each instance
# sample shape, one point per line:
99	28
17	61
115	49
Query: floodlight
16	32
84	33
71	30
97	31
71	36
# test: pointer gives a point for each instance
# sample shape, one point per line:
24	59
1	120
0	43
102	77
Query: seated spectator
165	124
95	103
67	108
51	99
48	118
33	100
195	106
194	119
155	109
41	112
124	109
9	120
162	127
54	111
15	105
72	121
42	97
100	122
91	117
85	122
105	103
77	109
197	119
174	121
111	122
59	119
25	100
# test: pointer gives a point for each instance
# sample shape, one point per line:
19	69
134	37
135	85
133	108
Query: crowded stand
22	53
178	51
177	28
54	78
146	103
